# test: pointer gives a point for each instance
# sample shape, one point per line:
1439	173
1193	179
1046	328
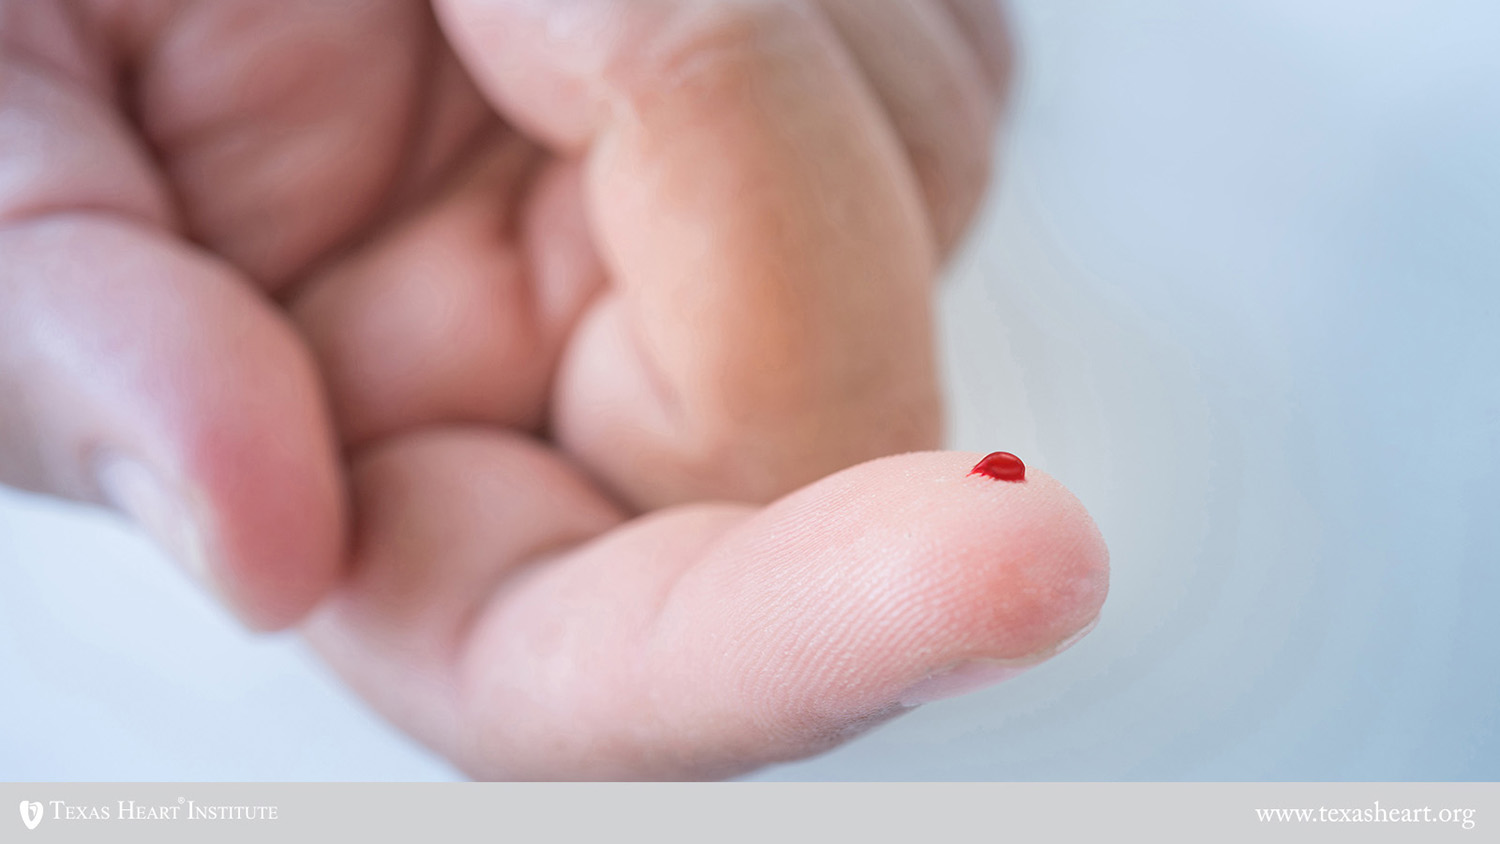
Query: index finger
504	613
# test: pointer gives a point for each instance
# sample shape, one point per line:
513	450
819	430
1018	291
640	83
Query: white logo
31	814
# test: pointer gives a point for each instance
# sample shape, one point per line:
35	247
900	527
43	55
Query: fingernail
971	675
138	492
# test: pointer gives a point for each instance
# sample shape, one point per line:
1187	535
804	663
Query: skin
532	357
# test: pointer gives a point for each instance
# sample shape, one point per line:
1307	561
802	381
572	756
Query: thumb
137	372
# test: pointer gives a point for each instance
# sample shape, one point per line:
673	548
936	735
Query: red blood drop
1002	466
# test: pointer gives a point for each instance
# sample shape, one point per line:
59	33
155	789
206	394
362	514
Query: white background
1237	287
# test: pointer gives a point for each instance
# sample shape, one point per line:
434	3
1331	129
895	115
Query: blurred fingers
140	373
135	369
768	315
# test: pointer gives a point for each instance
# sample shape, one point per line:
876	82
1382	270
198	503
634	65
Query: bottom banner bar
780	812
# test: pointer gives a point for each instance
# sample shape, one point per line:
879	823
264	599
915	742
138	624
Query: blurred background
1238	286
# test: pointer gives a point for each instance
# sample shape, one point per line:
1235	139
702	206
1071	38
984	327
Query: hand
539	268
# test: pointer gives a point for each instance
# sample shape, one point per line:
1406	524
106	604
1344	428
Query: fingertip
151	377
1046	561
873	581
267	468
233	469
1018	566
